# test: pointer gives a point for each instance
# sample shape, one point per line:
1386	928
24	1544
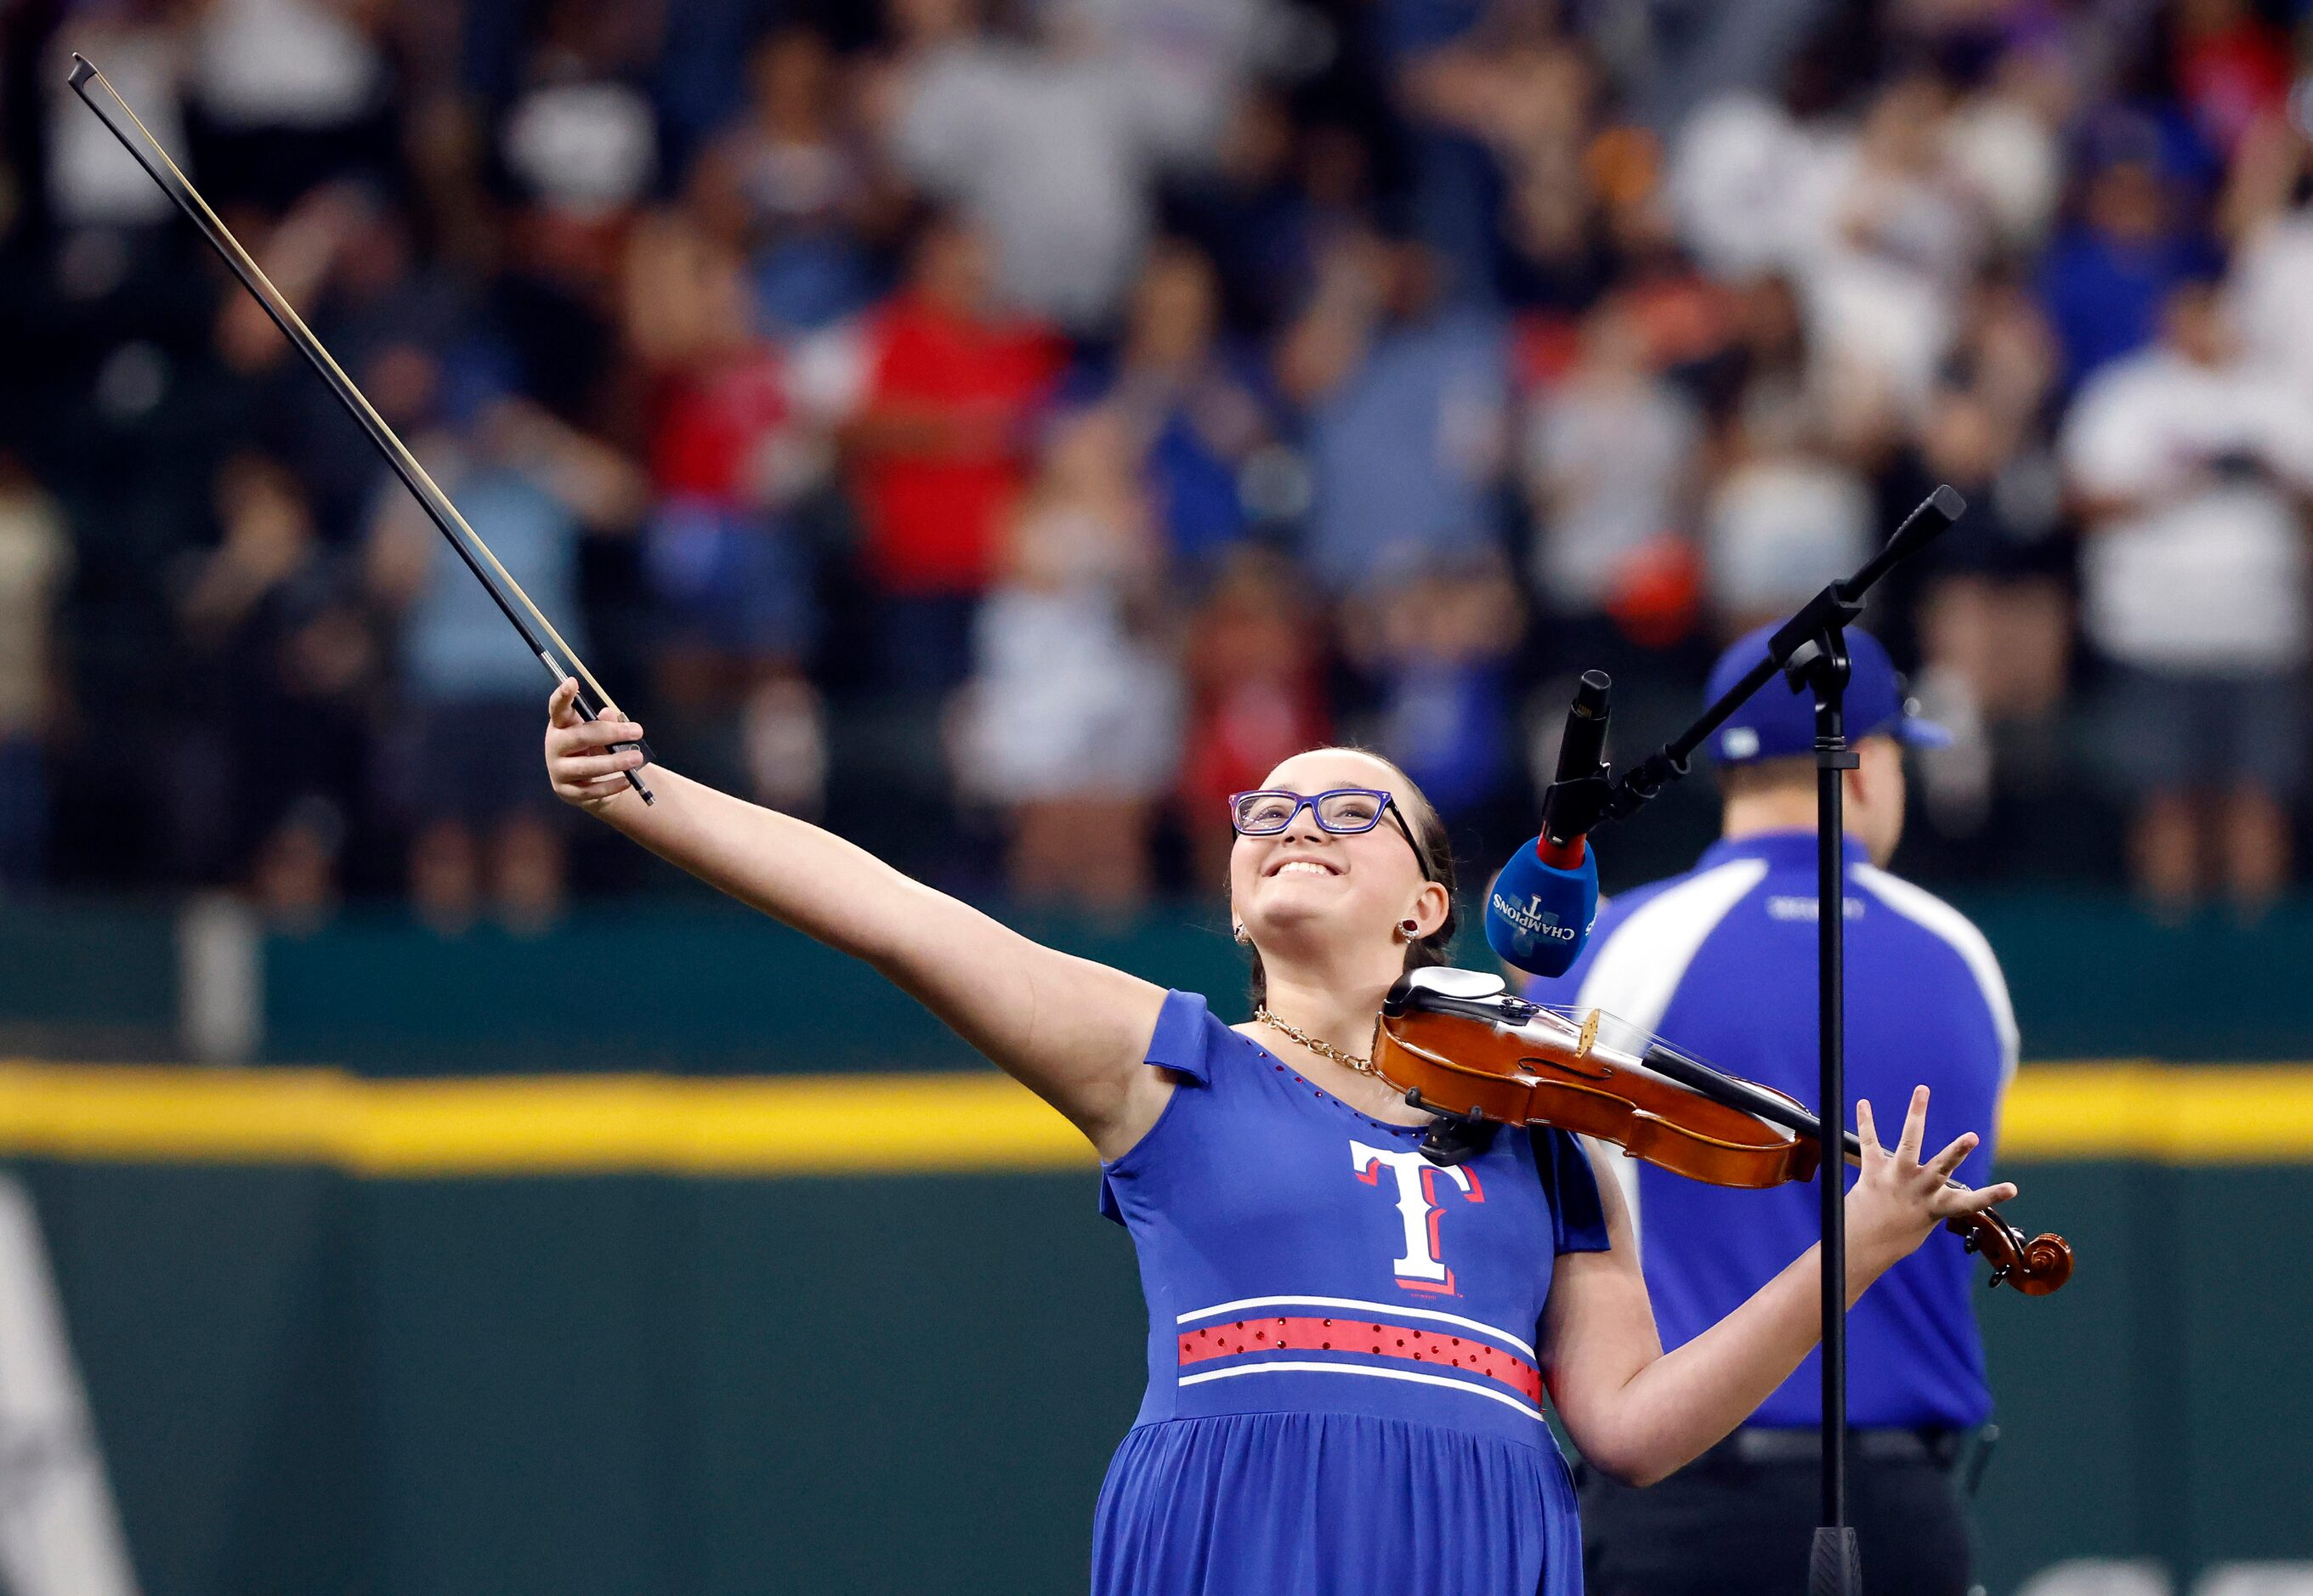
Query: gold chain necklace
1318	1044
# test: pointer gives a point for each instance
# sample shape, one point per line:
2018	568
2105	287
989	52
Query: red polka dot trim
1253	1336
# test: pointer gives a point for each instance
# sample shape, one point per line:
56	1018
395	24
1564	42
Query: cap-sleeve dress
1343	1392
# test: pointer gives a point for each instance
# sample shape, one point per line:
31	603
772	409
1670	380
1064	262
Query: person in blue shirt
1722	961
1350	1347
2104	277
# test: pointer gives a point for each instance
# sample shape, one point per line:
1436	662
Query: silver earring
1238	931
1406	928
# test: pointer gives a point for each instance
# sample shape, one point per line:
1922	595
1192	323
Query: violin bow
560	660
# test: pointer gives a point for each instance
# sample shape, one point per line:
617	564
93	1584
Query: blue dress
1343	1392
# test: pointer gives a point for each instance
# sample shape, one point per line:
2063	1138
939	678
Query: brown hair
1432	848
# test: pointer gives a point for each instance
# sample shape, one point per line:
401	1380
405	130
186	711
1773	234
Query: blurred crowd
1002	428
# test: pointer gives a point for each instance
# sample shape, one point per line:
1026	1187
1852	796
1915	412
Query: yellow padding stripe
534	1124
2195	1114
901	1122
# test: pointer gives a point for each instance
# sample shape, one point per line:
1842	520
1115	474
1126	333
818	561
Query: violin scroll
2035	1267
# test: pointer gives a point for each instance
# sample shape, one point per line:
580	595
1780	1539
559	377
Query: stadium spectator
2006	140
345	256
1406	394
1498	118
35	563
1764	350
1435	642
2269	223
298	252
2232	67
1254	667
1192	58
2106	275
2189	465
946	385
1256	213
1198	411
1993	614
286	662
1054	148
532	487
91	180
288	94
1610	465
579	144
580	140
731	453
1707	54
786	182
1073	717
1904	232
1744	172
1788	512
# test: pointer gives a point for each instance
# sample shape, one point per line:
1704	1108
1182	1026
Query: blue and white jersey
1721	961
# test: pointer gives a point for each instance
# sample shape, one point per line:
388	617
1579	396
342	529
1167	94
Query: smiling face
1308	892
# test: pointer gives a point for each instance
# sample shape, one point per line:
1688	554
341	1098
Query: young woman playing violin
1348	1346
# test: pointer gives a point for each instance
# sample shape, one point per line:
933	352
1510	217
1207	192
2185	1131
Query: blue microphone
1538	915
1539	910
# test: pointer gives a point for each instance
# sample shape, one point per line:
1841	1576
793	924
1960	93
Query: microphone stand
1809	651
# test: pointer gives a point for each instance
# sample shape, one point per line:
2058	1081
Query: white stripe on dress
1302	1368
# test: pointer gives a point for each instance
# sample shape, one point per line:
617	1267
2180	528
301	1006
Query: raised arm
1637	1412
1073	1032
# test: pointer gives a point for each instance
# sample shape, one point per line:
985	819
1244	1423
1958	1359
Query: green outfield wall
309	1382
705	988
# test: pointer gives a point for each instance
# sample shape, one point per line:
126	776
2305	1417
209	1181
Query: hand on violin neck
1900	1197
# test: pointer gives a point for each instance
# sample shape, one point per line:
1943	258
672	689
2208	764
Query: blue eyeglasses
1345	811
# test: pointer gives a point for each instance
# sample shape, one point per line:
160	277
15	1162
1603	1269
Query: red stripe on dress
1367	1336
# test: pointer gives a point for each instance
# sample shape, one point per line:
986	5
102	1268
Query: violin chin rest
1446	981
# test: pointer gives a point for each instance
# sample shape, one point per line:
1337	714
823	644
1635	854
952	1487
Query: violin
1457	1044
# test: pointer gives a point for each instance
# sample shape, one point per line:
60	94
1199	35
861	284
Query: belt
1759	1445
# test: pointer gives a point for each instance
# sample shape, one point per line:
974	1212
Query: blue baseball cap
1776	722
